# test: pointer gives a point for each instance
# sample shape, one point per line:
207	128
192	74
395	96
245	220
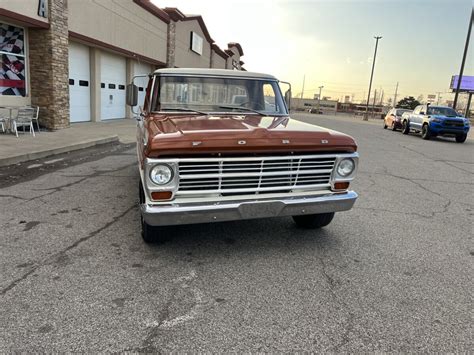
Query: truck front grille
243	176
453	123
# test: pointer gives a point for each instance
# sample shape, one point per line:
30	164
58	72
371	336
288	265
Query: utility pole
319	97
439	96
395	96
366	118
381	97
373	104
463	60
302	90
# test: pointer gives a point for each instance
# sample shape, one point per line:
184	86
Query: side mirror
132	95
422	113
392	114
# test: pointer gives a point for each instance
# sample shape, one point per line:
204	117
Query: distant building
329	106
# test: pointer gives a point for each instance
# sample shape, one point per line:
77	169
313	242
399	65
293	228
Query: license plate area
261	209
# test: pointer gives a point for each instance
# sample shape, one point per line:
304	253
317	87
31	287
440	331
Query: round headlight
161	174
345	167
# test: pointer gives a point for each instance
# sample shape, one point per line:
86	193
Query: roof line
200	20
153	9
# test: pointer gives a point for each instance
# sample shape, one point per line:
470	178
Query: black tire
461	138
149	233
405	127
425	132
393	127
384	125
312	221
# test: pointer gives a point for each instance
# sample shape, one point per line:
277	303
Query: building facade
74	58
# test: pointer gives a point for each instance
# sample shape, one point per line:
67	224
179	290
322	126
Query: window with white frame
13	60
196	43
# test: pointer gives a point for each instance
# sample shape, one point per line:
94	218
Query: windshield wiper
244	109
184	110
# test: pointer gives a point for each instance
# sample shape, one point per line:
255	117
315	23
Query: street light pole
366	118
319	97
463	61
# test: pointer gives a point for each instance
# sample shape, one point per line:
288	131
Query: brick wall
171	45
49	68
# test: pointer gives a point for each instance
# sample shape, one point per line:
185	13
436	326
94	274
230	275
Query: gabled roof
202	24
236	45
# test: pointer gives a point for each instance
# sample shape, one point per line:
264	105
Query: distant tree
408	102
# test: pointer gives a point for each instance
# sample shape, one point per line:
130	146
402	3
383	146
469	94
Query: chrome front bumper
175	214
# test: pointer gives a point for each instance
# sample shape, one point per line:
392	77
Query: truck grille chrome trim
244	176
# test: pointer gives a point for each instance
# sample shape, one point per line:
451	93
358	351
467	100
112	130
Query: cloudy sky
330	42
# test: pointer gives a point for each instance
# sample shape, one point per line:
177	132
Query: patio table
8	124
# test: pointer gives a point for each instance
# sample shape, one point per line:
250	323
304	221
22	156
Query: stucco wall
217	61
120	23
184	56
27	8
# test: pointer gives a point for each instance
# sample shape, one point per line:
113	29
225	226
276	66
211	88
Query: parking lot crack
13	196
349	325
58	255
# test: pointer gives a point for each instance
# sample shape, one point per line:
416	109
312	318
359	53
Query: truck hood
172	135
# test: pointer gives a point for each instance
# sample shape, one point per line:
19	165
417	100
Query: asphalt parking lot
393	274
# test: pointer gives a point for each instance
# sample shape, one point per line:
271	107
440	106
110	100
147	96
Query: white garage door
79	83
112	86
140	69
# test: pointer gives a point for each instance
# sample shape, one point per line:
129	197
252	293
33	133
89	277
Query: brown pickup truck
217	145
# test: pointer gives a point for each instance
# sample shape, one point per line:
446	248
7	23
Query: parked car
315	110
393	118
432	121
205	159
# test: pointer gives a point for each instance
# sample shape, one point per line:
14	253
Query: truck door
415	119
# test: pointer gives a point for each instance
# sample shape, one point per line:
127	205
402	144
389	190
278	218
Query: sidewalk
78	136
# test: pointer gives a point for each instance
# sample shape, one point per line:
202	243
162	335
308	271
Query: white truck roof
213	72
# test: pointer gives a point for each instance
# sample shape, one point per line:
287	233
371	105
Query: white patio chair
3	122
23	119
35	116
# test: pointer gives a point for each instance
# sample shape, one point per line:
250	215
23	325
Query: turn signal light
161	195
341	185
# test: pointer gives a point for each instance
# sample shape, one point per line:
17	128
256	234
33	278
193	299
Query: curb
54	151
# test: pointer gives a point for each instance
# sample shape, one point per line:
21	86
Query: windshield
442	111
401	112
209	95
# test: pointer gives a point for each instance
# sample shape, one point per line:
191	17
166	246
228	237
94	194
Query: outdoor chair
3	122
24	119
35	116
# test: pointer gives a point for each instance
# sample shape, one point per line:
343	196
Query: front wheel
312	221
384	125
393	127
405	127
425	132
461	138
